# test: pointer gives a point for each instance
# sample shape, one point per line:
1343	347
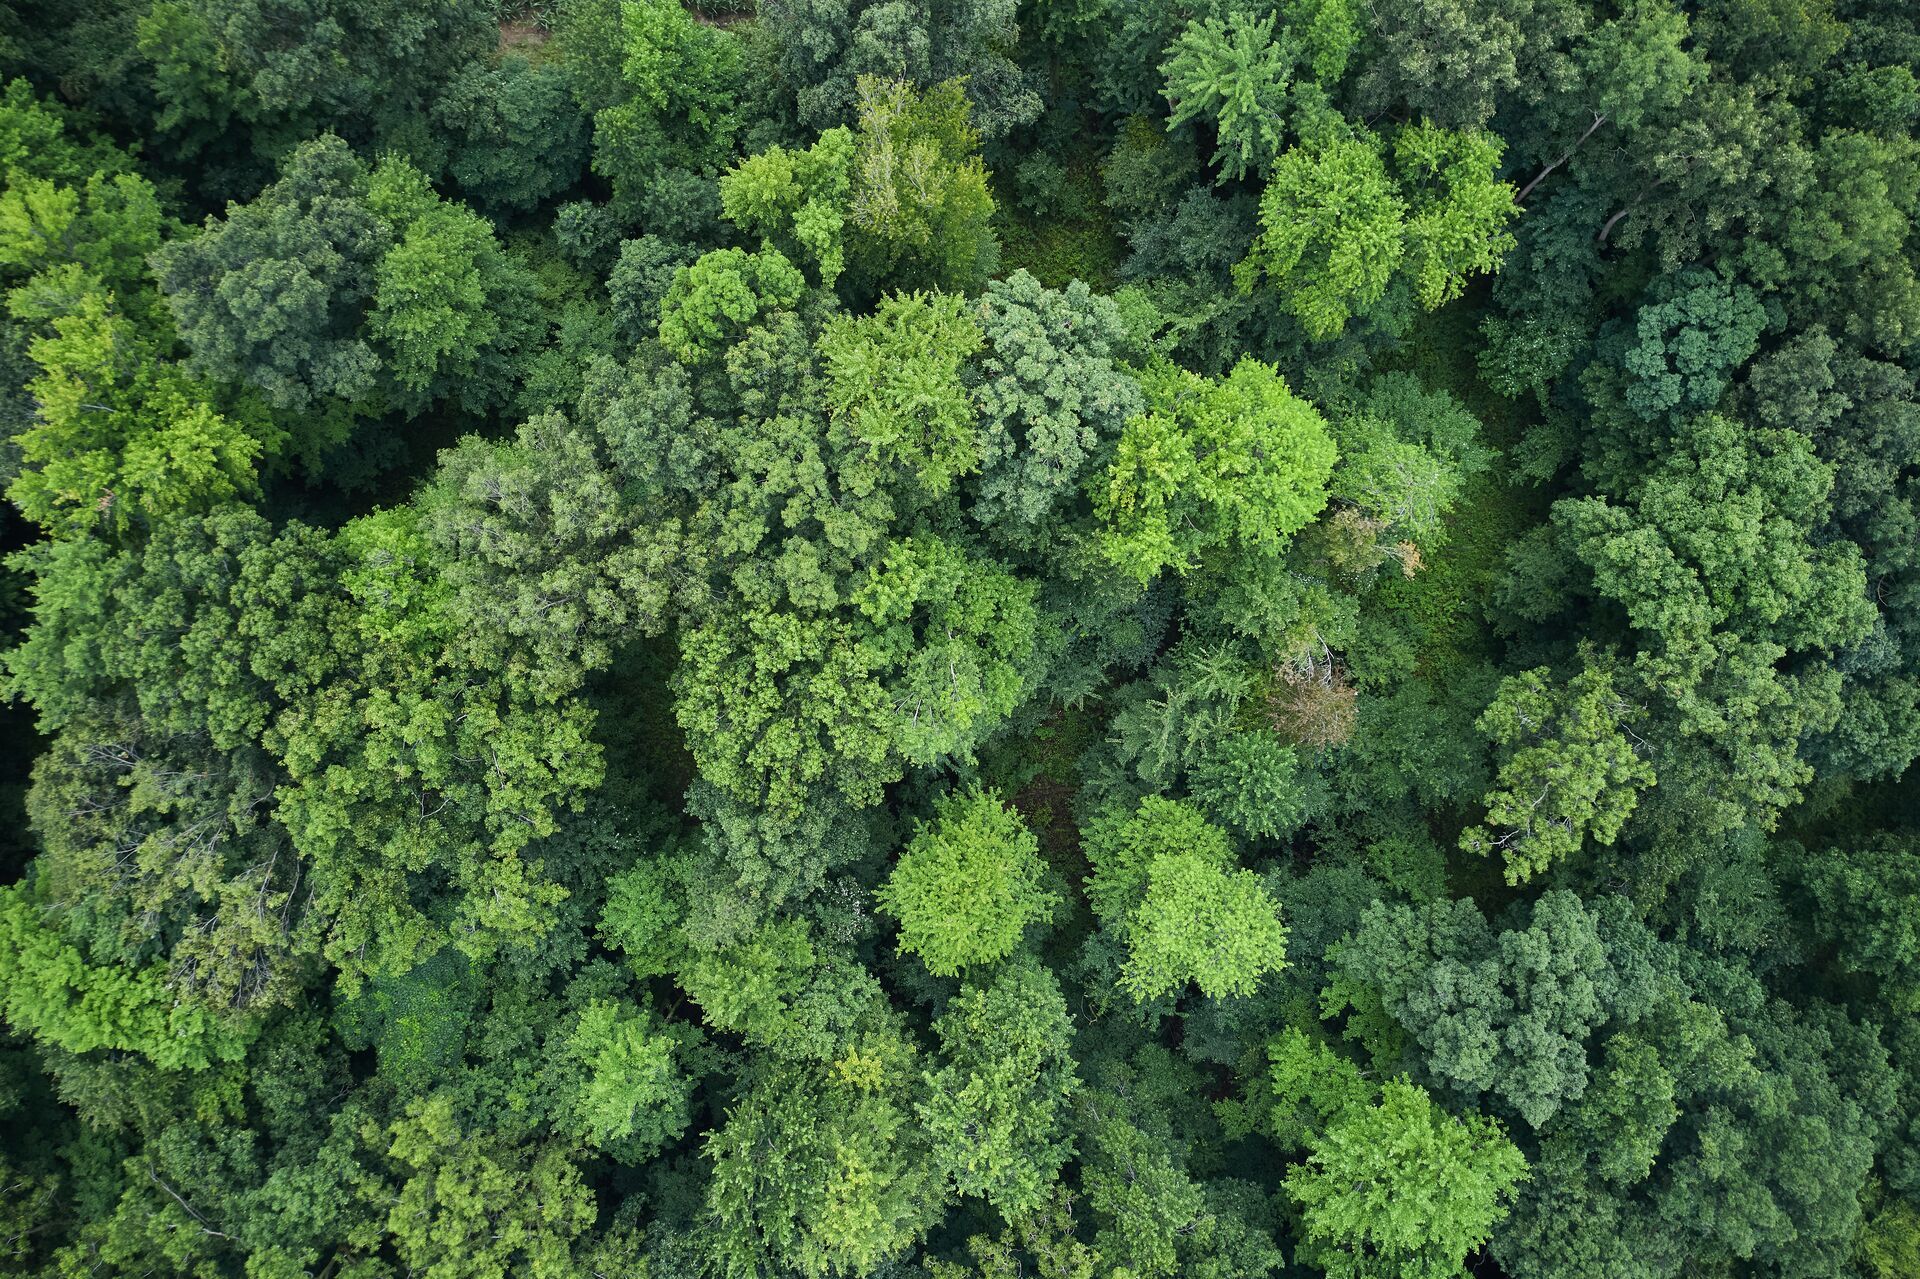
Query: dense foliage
1238	639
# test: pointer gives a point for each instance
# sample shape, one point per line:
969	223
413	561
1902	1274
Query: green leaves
1690	338
821	1169
1866	900
1403	1188
664	91
122	441
1165	884
1331	233
1458	212
796	200
932	654
1236	465
995	1112
437	291
968	885
1249	78
1051	398
956	635
918	207
774	703
1234	74
340	283
470	1208
1312	1086
724	291
1202	923
106	226
54	992
1713	560
1336	228
632	1096
274	295
1569	770
898	201
1507	1014
552	567
893	380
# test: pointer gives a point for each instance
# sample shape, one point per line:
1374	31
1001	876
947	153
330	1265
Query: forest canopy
1235	639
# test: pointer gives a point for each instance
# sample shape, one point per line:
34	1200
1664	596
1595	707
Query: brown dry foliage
1311	703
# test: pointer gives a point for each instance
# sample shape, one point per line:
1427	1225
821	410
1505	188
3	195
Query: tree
1235	75
1507	1014
1569	770
1152	1215
893	381
639	280
774	703
825	50
1312	1087
1692	335
516	137
1846	249
663	91
1712	558
421	779
292	68
632	1096
1457	61
1200	923
1050	399
1458	212
471	1209
442	294
720	293
1237	465
547	559
820	1167
1864	897
898	200
1397	469
1336	227
995	1112
968	885
121	440
274	295
1404	1188
1332	233
918	207
956	638
339	282
1251	784
54	992
106	226
797	201
1164	883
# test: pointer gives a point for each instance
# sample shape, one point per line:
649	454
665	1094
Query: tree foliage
882	639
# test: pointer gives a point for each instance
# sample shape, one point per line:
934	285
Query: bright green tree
968	885
1238	464
1164	882
470	1208
1403	1188
632	1094
893	380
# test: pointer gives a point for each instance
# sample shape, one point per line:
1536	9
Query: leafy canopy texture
967	885
1403	1188
1166	884
1239	463
956	639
